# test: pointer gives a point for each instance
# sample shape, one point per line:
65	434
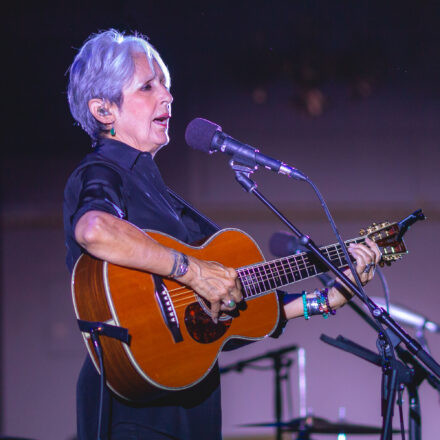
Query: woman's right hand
214	282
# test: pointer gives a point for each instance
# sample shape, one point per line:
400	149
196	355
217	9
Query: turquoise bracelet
304	299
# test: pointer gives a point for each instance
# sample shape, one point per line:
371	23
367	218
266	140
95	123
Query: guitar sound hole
201	327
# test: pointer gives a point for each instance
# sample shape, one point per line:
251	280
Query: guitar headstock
389	236
385	235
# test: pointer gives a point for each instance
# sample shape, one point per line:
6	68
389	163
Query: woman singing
119	93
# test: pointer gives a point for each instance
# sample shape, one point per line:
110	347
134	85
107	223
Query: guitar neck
259	279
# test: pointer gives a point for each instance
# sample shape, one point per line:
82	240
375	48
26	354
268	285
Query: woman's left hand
367	256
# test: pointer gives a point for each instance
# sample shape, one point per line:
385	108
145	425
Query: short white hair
101	69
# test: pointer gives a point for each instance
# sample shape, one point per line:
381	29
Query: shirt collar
119	152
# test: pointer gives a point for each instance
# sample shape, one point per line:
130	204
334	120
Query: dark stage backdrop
347	92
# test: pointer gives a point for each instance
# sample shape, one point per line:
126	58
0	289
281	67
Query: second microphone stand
279	362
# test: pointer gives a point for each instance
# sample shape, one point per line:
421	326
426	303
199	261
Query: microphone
208	137
408	317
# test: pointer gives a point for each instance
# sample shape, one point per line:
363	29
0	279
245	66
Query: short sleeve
100	190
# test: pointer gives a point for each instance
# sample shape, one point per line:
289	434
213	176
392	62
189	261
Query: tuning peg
362	232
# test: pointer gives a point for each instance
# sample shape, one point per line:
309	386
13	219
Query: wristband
318	305
180	266
305	305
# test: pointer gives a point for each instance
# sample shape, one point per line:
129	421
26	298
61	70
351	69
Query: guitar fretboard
259	279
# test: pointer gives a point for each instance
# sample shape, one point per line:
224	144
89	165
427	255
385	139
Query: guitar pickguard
201	327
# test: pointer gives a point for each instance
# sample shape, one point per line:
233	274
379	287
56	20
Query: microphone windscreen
282	244
199	134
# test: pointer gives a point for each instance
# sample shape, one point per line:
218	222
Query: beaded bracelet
305	305
317	305
322	303
331	311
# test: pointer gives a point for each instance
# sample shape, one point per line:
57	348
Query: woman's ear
100	111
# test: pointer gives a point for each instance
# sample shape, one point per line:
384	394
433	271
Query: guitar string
269	271
193	295
274	271
266	276
285	263
261	279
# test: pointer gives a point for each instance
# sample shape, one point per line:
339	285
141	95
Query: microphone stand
95	330
278	363
419	374
242	173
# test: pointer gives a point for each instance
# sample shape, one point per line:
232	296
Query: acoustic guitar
173	341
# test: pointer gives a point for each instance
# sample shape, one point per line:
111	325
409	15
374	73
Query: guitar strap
208	225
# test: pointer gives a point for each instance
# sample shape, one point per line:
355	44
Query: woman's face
142	120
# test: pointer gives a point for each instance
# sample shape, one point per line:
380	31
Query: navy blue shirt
125	182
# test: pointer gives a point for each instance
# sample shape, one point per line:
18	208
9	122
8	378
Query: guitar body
159	357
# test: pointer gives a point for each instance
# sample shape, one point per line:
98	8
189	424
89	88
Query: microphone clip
248	162
242	174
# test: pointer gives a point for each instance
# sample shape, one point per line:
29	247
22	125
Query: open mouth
162	120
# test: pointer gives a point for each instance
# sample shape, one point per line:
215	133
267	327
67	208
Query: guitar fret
287	274
304	272
276	274
257	279
290	267
243	277
271	278
249	282
297	271
265	277
333	255
281	273
312	270
339	255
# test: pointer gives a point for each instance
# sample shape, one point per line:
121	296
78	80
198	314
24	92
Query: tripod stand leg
415	424
388	404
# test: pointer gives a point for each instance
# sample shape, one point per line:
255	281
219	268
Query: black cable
338	236
386	351
349	262
98	351
386	289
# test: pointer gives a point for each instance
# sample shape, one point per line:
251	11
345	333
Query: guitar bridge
166	307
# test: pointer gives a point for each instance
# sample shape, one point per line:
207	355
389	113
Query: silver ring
231	303
368	267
